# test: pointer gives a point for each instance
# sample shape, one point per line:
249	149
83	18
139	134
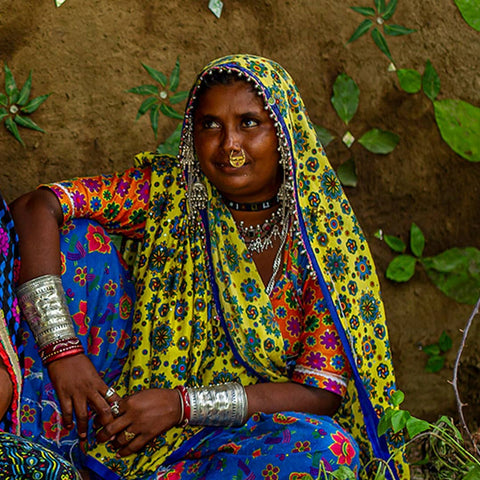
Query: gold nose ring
237	159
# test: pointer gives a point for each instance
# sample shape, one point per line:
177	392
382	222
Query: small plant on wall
456	271
381	14
162	99
16	105
457	121
345	101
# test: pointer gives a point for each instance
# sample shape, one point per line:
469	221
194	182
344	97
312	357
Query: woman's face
233	117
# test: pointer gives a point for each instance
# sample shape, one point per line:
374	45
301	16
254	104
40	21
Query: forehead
234	97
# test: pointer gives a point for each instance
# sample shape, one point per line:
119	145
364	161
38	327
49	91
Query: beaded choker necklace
252	207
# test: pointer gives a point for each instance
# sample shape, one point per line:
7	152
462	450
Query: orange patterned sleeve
119	202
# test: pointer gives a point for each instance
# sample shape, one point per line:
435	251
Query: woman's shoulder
160	164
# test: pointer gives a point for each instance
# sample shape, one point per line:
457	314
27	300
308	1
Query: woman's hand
143	416
78	385
6	389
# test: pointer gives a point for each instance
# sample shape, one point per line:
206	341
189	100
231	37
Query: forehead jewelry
237	159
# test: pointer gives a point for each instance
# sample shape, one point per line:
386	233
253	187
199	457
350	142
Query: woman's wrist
42	301
217	405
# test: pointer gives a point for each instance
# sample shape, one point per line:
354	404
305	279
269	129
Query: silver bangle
42	301
219	405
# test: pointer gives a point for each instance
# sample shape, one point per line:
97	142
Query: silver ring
110	393
115	408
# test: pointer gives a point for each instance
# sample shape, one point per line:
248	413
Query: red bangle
186	404
60	349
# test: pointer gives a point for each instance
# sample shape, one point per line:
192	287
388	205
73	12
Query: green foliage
345	97
379	141
456	272
458	121
470	10
171	144
345	100
380	14
446	455
15	105
459	125
435	351
160	98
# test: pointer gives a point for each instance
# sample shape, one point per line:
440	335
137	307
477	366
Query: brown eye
209	124
250	122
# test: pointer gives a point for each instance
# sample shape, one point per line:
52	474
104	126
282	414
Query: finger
81	415
110	431
67	411
102	408
134	446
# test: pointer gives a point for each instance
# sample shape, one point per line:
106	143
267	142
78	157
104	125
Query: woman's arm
37	216
291	396
6	389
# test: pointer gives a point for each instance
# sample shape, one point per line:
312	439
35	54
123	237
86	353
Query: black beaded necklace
254	206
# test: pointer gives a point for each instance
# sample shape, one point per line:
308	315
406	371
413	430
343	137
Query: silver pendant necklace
259	238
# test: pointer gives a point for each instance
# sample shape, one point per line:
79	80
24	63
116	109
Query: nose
231	139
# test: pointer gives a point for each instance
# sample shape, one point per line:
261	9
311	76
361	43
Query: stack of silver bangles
218	405
42	301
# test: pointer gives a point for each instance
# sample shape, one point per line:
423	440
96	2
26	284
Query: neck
252	206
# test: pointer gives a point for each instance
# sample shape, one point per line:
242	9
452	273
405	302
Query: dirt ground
89	52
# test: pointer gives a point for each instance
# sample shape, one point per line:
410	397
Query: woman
252	277
32	461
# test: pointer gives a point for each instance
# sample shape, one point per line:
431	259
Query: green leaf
474	470
347	174
416	426
154	119
156	75
360	30
381	43
380	6
10	85
175	77
435	364
379	141
12	128
144	90
459	125
401	268
397	398
25	92
27	123
171	145
445	342
417	240
399	420
385	421
345	97
146	106
430	81
395	243
178	97
170	112
432	350
323	135
456	272
396	30
366	11
470	10
33	104
410	80
3	99
342	473
3	113
390	10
